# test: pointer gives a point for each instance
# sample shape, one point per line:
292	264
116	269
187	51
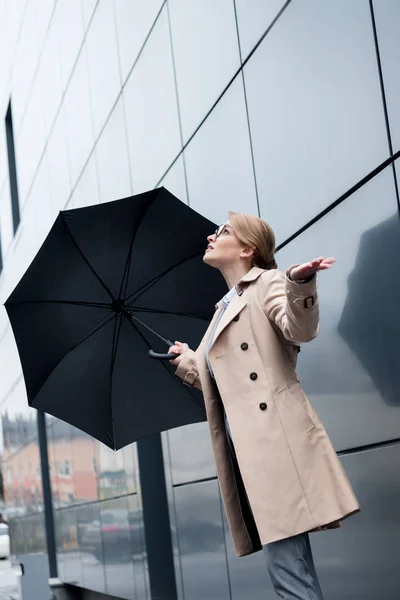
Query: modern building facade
287	110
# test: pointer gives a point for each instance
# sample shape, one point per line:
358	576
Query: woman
279	475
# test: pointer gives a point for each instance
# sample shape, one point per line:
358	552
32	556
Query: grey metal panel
387	17
350	372
201	542
190	453
315	109
34	581
206	54
361	560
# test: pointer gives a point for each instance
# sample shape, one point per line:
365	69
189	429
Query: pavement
8	582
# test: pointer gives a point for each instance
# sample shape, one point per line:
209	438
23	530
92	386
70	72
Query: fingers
178	348
174	350
322	263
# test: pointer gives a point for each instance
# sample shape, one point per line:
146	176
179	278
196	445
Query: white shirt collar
228	296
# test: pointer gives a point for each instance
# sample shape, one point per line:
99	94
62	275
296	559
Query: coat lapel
235	306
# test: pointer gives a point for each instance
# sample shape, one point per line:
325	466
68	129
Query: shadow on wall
370	321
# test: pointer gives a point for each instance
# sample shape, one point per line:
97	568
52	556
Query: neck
233	273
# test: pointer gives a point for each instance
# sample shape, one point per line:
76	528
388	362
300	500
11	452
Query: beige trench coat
292	476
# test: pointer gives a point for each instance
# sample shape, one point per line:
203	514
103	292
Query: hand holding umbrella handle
169	356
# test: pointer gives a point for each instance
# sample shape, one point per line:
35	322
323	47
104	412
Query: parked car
4	541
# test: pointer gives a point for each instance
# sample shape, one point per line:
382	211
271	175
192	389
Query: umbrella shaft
130	317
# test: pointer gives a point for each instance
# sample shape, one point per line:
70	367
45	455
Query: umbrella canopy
79	315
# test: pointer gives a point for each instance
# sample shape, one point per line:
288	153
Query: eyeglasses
220	229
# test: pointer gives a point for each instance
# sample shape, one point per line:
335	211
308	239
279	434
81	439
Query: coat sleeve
293	307
187	369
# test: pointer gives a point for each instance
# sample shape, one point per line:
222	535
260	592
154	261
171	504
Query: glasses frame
220	228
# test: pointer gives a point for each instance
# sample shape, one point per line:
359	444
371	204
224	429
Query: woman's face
223	249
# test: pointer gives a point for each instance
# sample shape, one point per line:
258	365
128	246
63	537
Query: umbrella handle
169	356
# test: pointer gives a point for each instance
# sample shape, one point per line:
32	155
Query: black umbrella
85	313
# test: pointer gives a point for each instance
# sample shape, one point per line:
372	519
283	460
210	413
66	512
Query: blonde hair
258	235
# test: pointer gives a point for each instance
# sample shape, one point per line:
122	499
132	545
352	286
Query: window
12	168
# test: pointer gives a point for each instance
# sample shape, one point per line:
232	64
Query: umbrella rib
67	302
146	286
125	276
168	371
86	260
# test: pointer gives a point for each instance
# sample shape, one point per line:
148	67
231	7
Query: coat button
236	318
253	376
263	406
244	346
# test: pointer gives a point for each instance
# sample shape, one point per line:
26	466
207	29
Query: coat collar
250	276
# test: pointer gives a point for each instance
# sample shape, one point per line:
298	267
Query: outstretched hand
308	269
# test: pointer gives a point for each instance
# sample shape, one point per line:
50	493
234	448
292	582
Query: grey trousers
291	568
290	561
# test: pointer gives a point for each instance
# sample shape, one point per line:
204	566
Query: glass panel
350	372
91	547
102	55
69	535
112	158
172	513
362	557
116	536
35	534
84	460
387	17
63	469
218	160
134	21
113	478
130	468
201	541
254	17
206	55
17	537
20	457
316	128
152	115
139	558
191	453
50	422
58	522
